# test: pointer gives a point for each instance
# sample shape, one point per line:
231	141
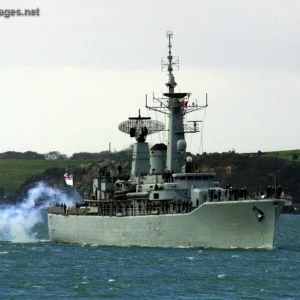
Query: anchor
259	214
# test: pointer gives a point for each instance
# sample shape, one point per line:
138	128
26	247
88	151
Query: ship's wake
17	222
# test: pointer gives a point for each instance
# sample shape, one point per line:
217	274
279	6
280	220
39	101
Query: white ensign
69	179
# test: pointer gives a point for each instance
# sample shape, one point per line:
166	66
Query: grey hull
231	224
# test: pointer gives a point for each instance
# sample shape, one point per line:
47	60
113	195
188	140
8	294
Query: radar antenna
140	127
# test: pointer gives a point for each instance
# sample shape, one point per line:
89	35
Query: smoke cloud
18	221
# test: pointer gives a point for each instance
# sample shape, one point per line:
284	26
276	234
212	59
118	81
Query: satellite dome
181	145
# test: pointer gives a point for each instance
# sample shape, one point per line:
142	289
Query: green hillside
287	154
284	154
257	169
13	172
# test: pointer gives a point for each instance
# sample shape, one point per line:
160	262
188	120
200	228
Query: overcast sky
71	75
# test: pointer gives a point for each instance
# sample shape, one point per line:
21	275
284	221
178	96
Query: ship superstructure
166	202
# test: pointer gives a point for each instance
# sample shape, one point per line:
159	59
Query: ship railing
253	196
56	210
118	212
127	212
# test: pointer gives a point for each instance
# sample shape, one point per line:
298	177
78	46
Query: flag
185	103
69	179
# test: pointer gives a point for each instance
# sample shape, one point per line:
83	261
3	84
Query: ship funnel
158	157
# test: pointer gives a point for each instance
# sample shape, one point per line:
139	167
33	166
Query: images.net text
7	13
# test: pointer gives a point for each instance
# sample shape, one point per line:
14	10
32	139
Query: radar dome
189	159
181	145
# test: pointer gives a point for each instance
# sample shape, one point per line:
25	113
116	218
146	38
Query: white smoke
17	221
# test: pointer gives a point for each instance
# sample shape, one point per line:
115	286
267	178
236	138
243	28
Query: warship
166	202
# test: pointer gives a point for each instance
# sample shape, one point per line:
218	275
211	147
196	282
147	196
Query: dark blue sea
44	270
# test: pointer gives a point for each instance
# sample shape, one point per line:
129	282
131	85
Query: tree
21	155
54	155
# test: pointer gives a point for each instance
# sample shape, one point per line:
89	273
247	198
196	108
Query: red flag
185	103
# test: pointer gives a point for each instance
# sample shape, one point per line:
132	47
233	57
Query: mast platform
176	95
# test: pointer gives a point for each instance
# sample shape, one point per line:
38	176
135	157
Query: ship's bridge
194	180
194	176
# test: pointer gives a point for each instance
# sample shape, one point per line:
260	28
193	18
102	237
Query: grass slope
285	154
13	172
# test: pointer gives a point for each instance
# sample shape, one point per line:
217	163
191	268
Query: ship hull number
155	228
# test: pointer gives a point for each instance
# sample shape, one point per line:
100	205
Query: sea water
45	270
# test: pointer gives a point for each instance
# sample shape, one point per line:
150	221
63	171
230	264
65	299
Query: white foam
44	241
191	258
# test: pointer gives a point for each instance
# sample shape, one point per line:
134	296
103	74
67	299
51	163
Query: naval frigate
166	202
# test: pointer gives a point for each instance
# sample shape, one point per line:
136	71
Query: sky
69	76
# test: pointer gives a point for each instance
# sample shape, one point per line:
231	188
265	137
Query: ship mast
175	158
171	84
175	105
